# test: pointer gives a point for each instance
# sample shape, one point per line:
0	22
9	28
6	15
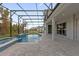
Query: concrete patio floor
45	47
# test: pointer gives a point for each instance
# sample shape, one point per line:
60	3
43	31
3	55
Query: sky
27	6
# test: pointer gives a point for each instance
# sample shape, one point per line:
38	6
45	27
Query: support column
23	26
74	27
46	29
53	29
18	26
10	24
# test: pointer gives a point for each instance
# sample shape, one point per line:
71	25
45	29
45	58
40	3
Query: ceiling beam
34	24
33	19
29	10
31	15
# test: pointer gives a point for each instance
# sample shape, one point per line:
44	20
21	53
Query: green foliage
6	12
4	32
33	31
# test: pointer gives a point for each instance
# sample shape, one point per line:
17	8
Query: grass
6	35
34	33
3	37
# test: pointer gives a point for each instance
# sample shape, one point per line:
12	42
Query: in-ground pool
31	38
6	42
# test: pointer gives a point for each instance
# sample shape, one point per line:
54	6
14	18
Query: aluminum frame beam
33	19
30	15
29	10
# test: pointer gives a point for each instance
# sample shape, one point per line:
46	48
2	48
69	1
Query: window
61	29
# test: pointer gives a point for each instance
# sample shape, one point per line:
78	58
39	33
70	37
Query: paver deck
45	47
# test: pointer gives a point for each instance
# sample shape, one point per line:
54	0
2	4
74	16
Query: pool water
24	38
31	38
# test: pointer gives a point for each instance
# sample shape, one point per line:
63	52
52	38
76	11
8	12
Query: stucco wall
61	15
77	20
72	28
69	28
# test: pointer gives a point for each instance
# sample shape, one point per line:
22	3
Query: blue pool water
23	38
33	37
30	38
20	38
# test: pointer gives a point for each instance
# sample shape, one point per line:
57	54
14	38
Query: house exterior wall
70	17
77	26
72	26
69	28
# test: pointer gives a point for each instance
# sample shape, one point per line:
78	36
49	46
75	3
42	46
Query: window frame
61	28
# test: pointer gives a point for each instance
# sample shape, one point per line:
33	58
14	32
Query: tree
5	19
14	29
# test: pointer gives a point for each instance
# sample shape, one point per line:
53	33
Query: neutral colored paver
44	47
